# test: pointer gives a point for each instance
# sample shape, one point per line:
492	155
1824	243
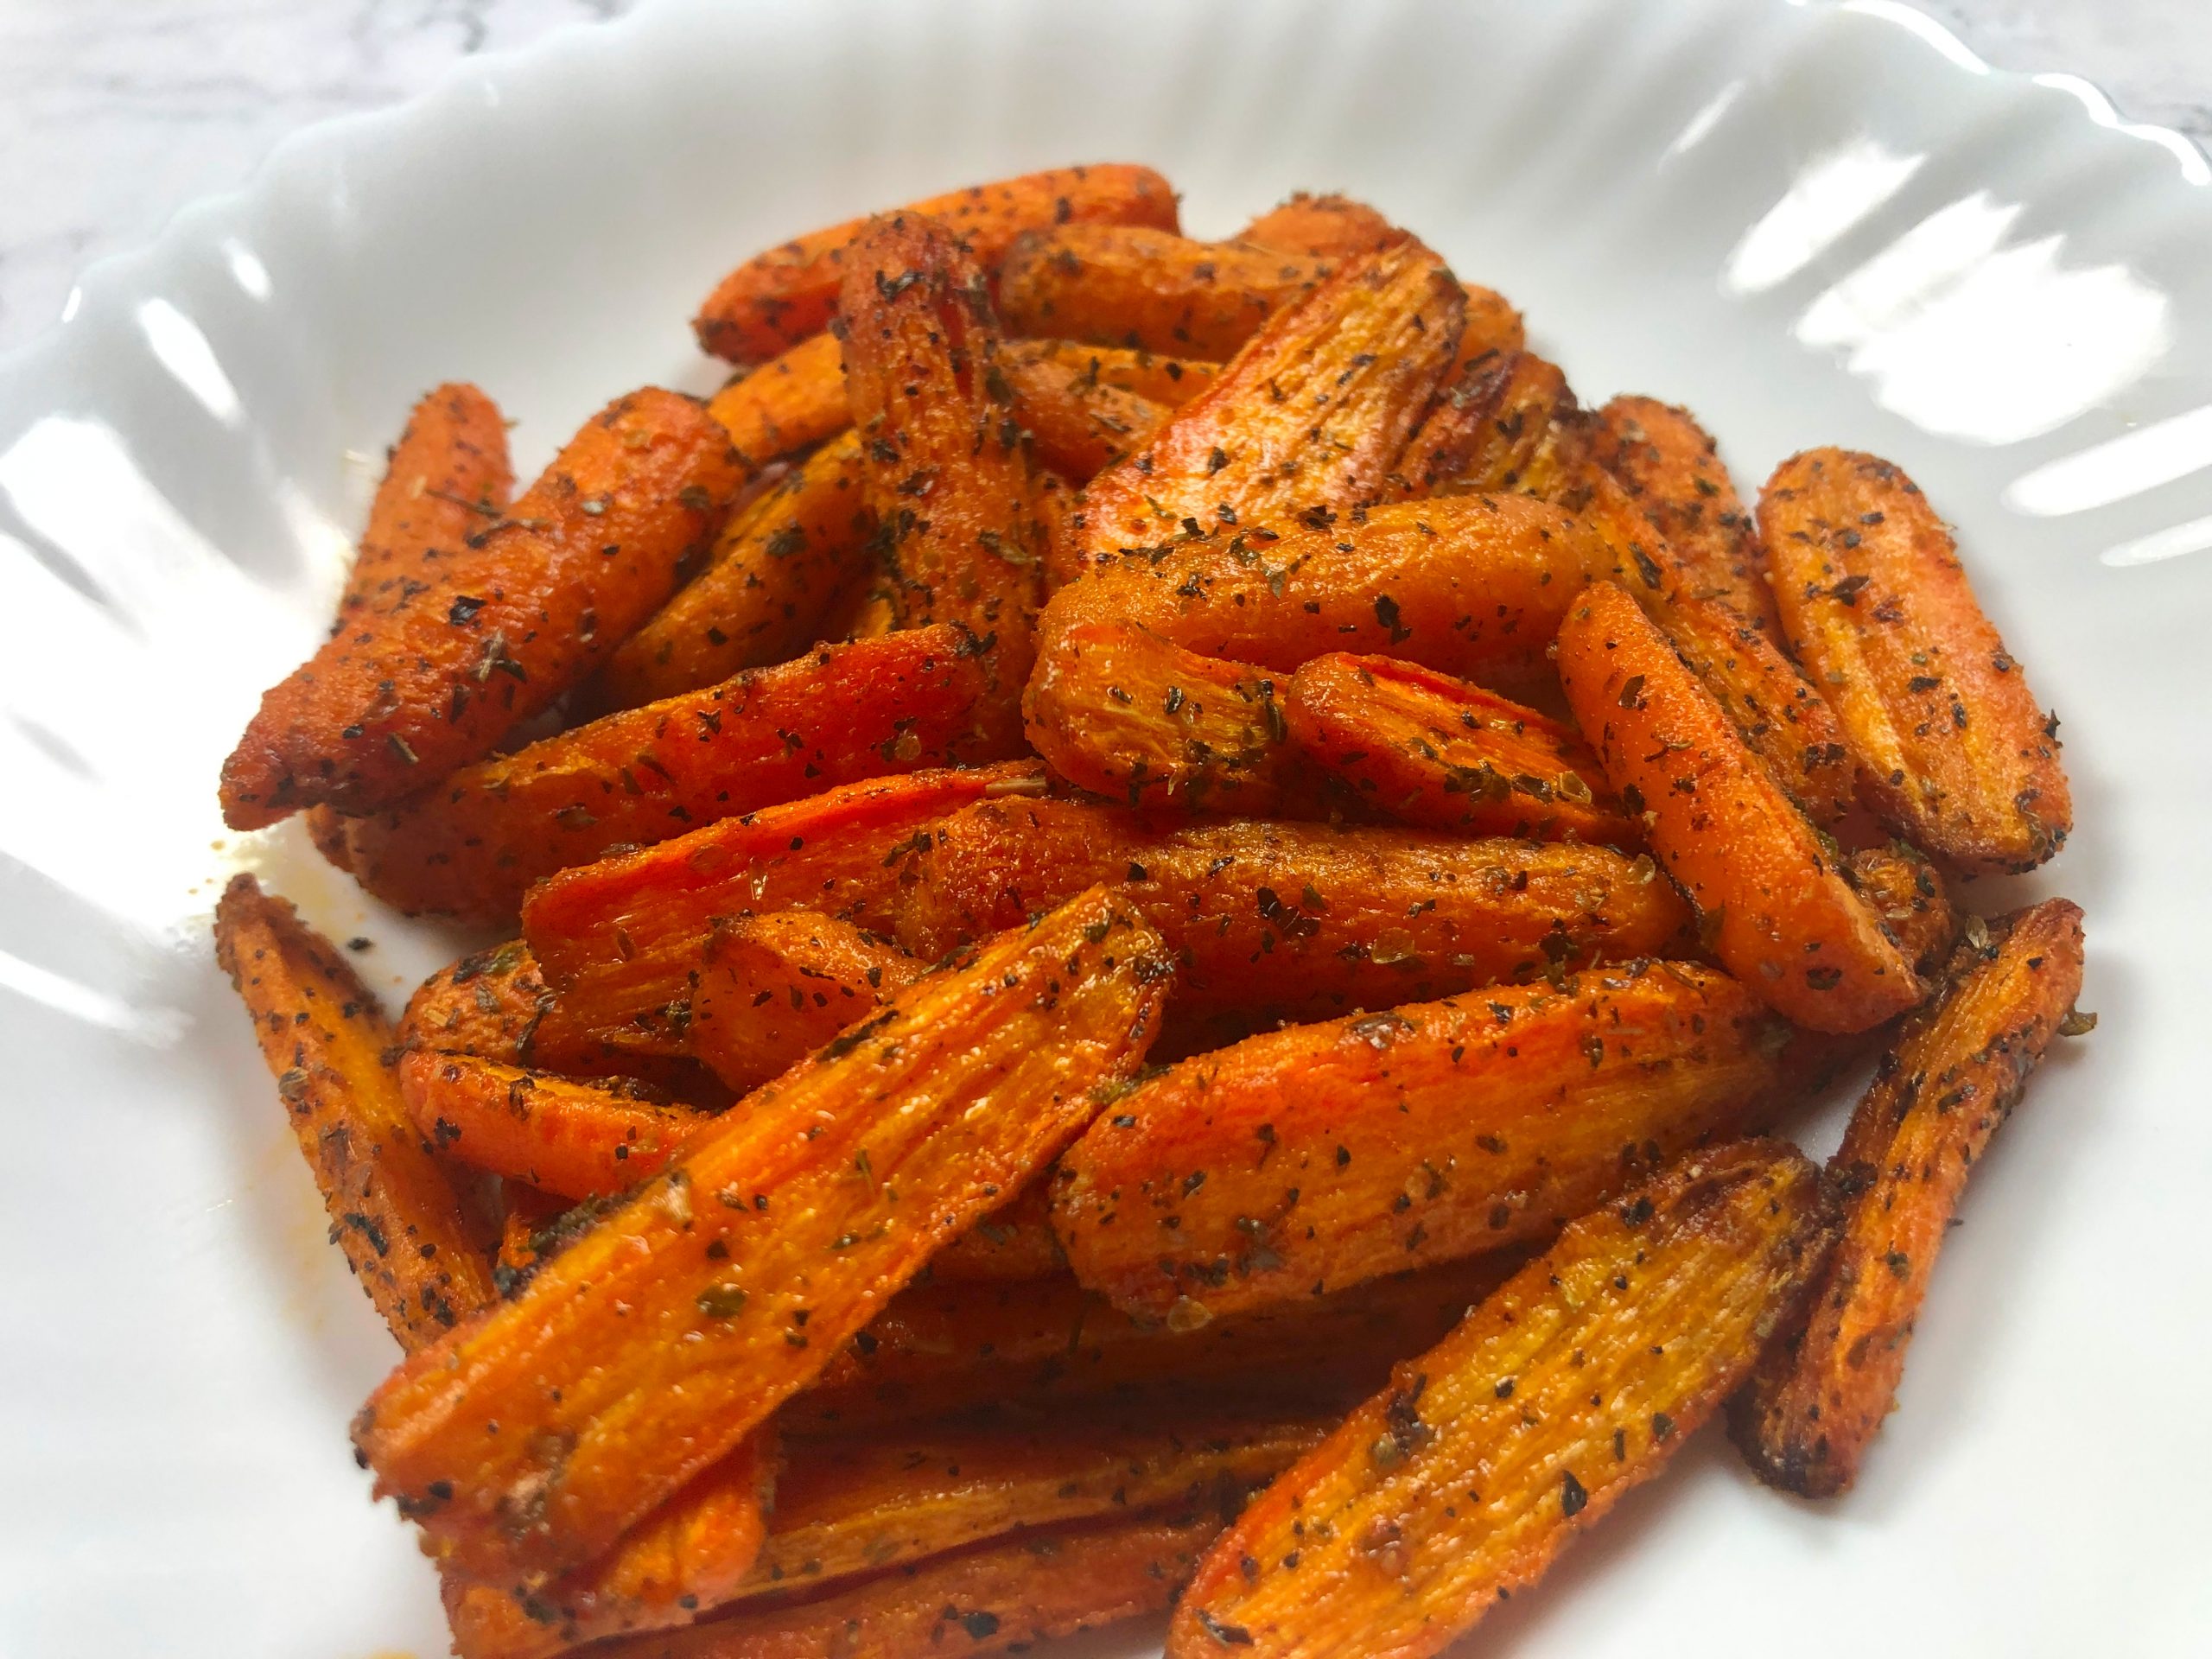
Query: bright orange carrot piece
1294	918
1779	714
1954	754
1911	898
447	479
1459	1484
404	1224
1820	1395
837	715
620	940
1171	382
1671	467
496	1005
533	1437
1309	1159
1782	916
1156	677
787	405
399	700
1493	325
848	1509
562	1135
1005	1596
1149	289
943	468
779	297
1079	425
1503	422
692	1551
1306	421
770	989
1426	749
1321	226
778	564
943	1347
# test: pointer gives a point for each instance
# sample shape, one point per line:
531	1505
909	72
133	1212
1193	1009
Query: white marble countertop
114	114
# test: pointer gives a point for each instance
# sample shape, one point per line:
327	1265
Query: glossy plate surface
1811	225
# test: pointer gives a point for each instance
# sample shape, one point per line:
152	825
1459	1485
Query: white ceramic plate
1811	225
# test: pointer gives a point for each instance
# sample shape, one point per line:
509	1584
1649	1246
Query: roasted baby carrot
446	479
1501	424
770	989
1954	752
1157	676
1004	1596
406	1227
620	940
1171	382
1780	913
1321	226
1307	420
1671	467
785	406
1426	749
1079	425
1779	714
496	1005
1293	918
400	698
533	1437
777	566
1309	1159
1820	1395
943	468
1146	288
1493	326
564	1135
841	713
690	1553
848	1509
1911	899
1460	1483
779	297
954	1347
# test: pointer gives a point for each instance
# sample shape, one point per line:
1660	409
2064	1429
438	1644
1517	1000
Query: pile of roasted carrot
1165	901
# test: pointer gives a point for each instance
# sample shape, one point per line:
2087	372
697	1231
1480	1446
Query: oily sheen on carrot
1820	1397
944	470
533	1437
770	989
1460	1483
1424	748
620	940
1953	749
1504	422
779	297
1309	1159
850	1507
447	479
1306	420
564	1136
396	1213
1781	914
389	707
1157	676
1297	918
473	846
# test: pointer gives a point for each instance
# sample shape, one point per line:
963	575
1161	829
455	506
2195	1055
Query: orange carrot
447	479
779	297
